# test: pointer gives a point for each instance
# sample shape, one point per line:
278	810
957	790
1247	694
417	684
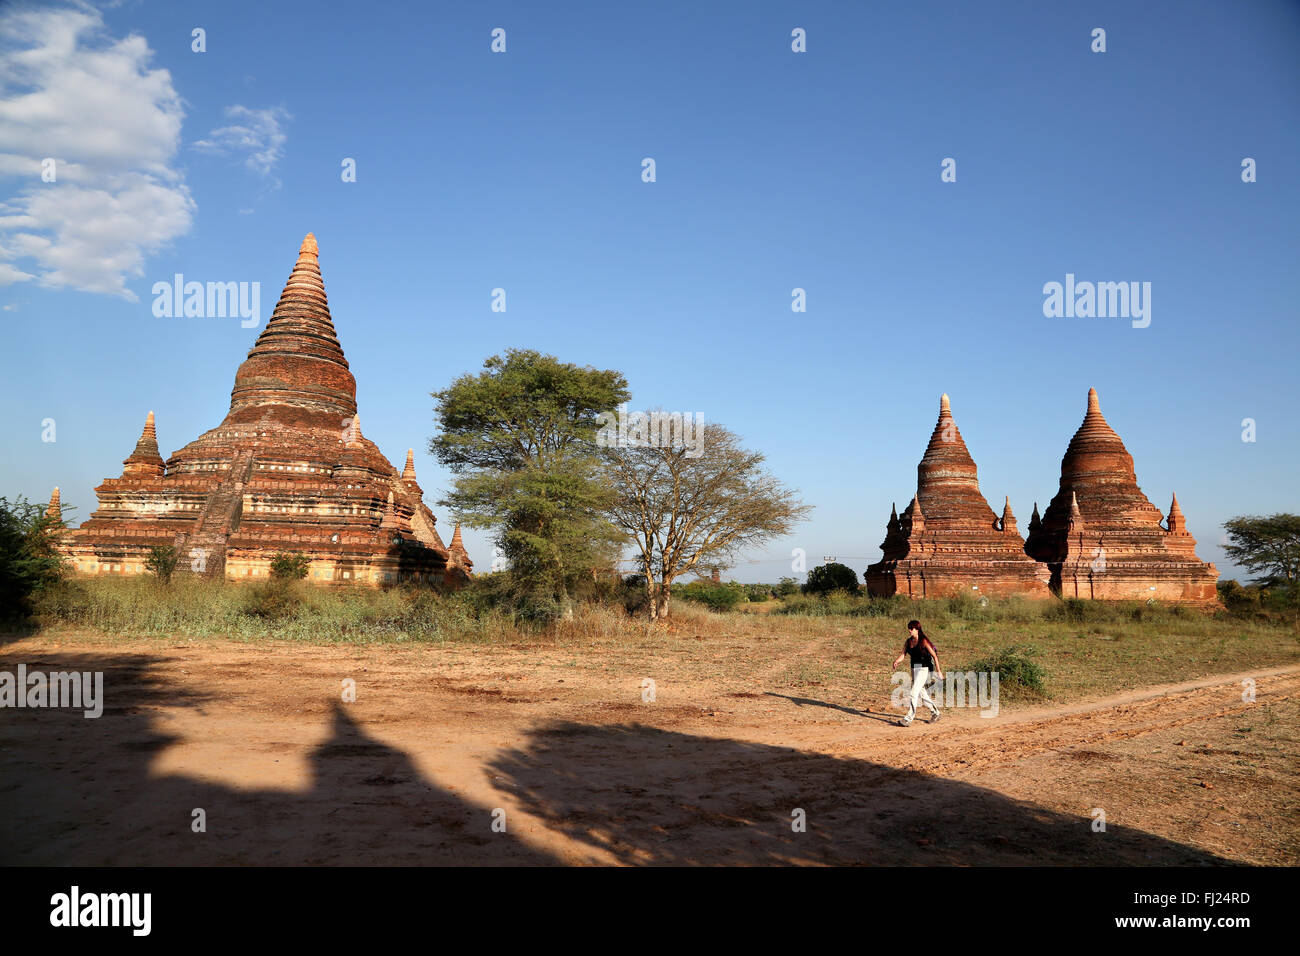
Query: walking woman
925	660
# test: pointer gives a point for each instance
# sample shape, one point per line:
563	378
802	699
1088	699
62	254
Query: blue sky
774	170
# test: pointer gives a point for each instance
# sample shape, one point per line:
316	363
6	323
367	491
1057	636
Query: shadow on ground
77	791
62	802
653	796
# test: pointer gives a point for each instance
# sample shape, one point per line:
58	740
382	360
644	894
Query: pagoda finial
354	430
309	246
1176	522
1008	519
945	408
55	509
145	458
1076	516
1094	404
390	514
916	517
456	543
408	473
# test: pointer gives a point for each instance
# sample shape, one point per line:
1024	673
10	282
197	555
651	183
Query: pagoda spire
297	361
1008	519
916	519
145	459
390	514
1096	447
946	478
1076	516
354	430
1176	523
408	473
55	509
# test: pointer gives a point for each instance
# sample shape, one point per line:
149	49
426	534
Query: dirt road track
413	771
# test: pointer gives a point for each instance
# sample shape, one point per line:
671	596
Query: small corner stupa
1103	539
949	539
288	469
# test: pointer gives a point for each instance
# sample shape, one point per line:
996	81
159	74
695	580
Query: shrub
831	577
1016	672
632	594
161	562
290	566
716	597
29	563
758	593
275	599
787	587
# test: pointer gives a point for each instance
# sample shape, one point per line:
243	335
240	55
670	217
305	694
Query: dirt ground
560	745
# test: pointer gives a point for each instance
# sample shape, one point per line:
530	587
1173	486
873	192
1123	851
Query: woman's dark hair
920	632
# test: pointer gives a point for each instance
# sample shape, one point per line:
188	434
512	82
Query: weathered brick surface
1102	538
288	469
948	539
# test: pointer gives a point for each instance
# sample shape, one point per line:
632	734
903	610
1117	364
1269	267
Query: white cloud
259	133
70	92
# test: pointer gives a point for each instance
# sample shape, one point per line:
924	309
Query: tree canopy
693	507
520	439
1268	547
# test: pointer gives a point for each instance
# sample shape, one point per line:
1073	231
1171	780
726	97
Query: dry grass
837	656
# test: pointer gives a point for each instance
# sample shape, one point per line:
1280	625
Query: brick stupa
1102	538
948	539
287	470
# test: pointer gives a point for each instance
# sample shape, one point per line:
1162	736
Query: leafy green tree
29	561
290	566
161	562
831	577
1268	547
520	439
787	586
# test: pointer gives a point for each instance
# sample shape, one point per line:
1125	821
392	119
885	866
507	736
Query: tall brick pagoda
1102	538
287	470
948	539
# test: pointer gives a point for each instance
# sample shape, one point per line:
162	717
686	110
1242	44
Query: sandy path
439	738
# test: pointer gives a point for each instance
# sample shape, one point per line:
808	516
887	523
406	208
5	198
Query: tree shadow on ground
653	796
80	792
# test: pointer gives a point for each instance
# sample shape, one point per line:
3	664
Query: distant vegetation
832	577
29	564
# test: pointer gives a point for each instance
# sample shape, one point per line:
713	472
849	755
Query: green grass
200	608
840	645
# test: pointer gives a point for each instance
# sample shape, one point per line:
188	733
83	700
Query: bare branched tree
685	507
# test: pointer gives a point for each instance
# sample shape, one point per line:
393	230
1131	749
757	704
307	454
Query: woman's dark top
919	653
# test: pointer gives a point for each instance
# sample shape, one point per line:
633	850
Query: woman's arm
934	652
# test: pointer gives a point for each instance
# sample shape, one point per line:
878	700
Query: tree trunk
652	595
665	597
566	604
